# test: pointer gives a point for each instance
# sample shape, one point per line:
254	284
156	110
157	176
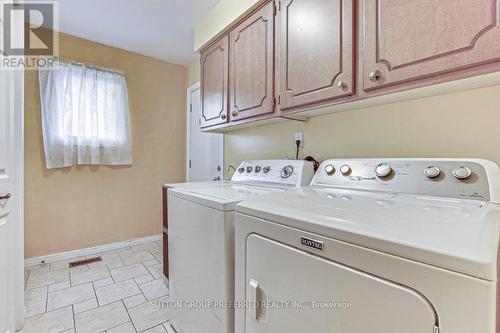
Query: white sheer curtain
85	116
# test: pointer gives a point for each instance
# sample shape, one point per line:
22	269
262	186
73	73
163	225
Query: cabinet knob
234	113
222	116
375	76
342	85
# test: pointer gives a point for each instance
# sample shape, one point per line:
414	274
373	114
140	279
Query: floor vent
84	262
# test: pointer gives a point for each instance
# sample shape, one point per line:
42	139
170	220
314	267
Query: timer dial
432	171
383	170
286	171
462	172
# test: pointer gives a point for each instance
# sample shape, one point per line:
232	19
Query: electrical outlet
299	136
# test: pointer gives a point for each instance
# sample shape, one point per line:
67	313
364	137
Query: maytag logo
313	244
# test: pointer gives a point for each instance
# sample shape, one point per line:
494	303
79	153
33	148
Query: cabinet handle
342	85
375	76
253	298
234	113
6	197
223	116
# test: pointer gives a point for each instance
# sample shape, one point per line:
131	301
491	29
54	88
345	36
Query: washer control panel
453	178
280	172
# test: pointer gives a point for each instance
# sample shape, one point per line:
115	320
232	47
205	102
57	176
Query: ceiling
162	29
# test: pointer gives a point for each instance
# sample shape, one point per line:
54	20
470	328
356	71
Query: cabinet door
413	39
251	74
316	54
214	76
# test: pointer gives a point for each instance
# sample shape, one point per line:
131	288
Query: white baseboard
89	251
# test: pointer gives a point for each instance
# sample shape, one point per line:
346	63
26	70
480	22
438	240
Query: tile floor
116	295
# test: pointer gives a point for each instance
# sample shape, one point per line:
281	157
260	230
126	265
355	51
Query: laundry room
249	166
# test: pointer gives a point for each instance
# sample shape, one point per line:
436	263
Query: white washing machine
201	239
403	245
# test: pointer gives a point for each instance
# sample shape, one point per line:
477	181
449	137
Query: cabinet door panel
214	76
251	75
412	39
316	55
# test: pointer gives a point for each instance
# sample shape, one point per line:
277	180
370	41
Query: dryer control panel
290	173
452	178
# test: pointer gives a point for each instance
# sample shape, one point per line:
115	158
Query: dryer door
324	296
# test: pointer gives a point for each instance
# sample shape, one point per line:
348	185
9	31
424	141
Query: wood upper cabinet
316	53
407	40
214	83
251	65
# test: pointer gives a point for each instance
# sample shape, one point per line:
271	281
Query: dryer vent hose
315	162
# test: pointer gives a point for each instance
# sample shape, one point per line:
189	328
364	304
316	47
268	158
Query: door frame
190	90
15	162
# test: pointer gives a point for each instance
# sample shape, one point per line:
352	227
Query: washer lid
223	197
459	235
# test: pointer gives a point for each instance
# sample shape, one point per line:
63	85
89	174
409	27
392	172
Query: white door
7	231
11	205
325	296
205	158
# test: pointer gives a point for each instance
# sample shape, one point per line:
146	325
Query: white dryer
201	239
403	245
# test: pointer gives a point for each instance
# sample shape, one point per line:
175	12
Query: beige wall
223	14
78	207
194	72
463	124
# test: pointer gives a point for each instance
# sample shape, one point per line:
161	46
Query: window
85	116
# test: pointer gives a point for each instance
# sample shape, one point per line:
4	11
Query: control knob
345	170
249	169
432	171
286	171
257	169
383	170
266	169
462	172
241	170
330	170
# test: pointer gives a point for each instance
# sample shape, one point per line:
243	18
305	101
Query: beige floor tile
59	286
155	289
134	301
88	275
144	278
117	291
36	280
137	257
39	269
156	271
156	329
128	272
103	282
50	322
69	296
145	247
85	306
150	314
125	328
35	296
102	318
149	263
34	309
